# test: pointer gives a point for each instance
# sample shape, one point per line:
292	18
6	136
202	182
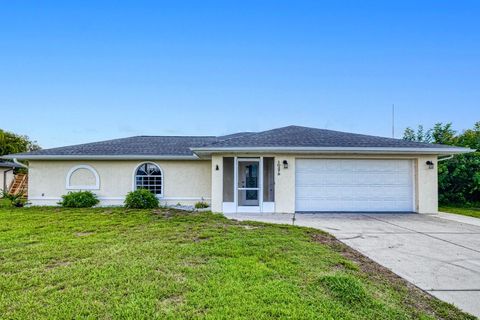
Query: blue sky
95	70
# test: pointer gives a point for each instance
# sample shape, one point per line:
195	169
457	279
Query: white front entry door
361	185
249	182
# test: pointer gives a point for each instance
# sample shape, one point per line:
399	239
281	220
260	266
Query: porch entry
248	184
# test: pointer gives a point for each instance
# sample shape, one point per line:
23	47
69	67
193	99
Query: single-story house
284	170
7	174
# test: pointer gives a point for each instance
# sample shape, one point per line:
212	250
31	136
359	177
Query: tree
443	133
471	137
420	136
409	134
15	143
459	177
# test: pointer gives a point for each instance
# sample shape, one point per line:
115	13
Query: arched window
82	177
149	176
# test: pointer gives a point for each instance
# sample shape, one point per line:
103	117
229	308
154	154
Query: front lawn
130	264
4	203
466	211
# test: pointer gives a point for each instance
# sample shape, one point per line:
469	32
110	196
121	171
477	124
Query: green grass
466	211
4	203
137	264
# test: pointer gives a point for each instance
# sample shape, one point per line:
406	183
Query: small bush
18	200
201	205
141	199
79	199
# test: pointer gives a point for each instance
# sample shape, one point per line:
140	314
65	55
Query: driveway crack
461	290
424	233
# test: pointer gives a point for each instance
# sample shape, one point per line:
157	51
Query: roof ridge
256	133
155	136
231	138
357	134
376	136
304	136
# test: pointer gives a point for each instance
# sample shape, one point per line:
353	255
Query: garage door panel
346	189
352	178
354	185
364	196
354	206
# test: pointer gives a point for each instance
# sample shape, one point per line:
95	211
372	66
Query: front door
248	185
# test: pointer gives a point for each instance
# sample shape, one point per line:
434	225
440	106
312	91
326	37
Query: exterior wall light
285	164
430	164
216	167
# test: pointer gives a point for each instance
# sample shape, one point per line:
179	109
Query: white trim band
99	157
123	198
368	150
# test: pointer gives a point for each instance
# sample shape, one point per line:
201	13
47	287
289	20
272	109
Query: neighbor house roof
6	164
286	139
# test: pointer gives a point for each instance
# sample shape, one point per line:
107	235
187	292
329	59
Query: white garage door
354	185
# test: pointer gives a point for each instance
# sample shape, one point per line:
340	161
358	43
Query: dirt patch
83	234
170	213
194	261
415	296
201	238
57	264
172	302
247	227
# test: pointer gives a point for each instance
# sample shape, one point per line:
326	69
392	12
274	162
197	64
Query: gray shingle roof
139	145
296	136
181	146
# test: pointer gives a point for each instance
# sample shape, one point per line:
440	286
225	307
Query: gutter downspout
5	179
19	163
446	158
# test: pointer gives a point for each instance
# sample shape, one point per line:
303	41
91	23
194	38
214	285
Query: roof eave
347	150
199	152
12	166
100	157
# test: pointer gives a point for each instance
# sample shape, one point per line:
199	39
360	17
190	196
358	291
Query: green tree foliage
420	135
444	134
459	177
14	143
471	137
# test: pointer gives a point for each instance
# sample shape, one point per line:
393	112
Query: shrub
201	205
459	180
16	200
79	199
141	199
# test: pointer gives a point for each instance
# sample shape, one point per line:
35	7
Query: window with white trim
82	177
149	176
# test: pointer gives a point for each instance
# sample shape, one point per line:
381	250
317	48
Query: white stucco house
285	170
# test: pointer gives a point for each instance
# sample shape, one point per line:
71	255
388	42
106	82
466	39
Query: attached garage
354	185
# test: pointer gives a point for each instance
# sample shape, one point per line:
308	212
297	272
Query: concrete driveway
438	253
